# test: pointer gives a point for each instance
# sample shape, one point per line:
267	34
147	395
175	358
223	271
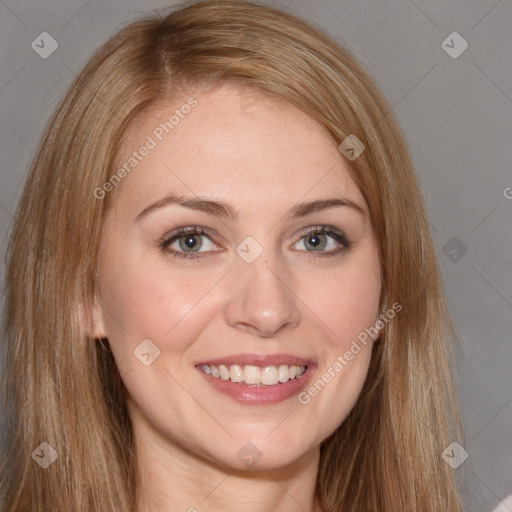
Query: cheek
143	301
346	307
345	301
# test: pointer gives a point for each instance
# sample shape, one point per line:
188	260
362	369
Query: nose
260	300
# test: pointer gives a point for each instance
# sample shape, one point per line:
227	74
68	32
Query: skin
262	158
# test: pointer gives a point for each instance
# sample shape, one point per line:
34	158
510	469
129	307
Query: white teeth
236	373
254	375
284	373
224	372
269	376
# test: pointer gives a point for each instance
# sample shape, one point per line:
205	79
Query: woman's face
220	258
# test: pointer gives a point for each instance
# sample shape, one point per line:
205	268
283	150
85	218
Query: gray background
456	113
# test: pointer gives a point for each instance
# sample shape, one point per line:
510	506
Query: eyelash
337	235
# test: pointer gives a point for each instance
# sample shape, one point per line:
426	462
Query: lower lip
259	395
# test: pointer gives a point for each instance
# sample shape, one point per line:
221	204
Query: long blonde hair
63	388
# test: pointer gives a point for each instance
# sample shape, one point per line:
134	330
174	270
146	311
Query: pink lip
259	395
259	360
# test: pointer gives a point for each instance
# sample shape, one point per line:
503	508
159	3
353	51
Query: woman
222	292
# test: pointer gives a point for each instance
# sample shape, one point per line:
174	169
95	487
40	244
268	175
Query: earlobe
91	320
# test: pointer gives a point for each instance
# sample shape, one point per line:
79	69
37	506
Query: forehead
235	144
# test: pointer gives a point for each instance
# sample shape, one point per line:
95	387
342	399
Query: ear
91	320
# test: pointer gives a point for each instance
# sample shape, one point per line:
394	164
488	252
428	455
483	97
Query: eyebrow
222	209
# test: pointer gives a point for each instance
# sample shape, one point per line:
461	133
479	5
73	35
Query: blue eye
317	238
187	242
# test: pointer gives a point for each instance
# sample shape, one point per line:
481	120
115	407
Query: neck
174	478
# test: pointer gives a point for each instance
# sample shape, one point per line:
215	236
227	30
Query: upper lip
259	360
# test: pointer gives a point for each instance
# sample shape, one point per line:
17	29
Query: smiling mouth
257	376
